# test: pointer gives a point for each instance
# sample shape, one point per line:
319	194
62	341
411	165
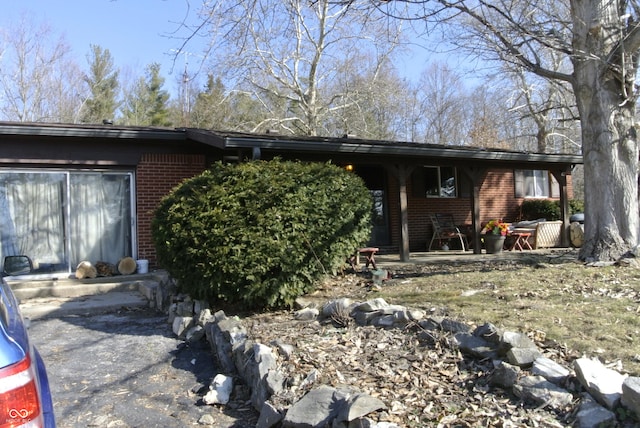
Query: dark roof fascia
90	131
367	147
206	137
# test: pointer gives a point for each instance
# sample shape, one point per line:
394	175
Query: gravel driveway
127	369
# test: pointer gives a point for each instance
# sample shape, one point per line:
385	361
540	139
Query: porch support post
401	173
561	177
476	175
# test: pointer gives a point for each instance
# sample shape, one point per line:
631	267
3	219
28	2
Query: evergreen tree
158	97
211	109
146	103
102	82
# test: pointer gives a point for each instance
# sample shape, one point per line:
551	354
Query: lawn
591	311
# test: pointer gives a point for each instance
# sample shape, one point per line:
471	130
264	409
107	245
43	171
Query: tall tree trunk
603	85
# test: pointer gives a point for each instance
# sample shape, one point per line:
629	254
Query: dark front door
375	179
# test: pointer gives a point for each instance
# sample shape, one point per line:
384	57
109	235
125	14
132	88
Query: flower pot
494	243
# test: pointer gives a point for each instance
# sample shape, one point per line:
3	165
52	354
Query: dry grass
592	311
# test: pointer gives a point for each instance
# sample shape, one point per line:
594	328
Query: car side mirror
17	265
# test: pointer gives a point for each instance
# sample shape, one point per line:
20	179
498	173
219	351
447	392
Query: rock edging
519	366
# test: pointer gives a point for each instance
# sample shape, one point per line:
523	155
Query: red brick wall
497	200
156	175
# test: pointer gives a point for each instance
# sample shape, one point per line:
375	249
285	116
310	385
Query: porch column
561	177
476	175
401	172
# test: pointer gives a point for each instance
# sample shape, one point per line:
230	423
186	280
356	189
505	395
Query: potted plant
495	232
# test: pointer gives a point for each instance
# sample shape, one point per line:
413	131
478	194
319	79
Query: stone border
256	364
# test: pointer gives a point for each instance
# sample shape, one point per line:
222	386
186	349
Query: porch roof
416	152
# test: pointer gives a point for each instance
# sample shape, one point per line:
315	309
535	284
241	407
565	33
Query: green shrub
533	209
576	206
260	233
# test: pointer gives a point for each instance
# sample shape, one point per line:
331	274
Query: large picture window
59	219
535	183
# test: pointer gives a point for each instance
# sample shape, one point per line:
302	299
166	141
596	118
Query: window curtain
59	219
32	209
531	183
100	217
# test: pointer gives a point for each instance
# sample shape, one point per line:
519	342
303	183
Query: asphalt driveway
126	369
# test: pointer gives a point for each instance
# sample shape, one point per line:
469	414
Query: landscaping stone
631	394
194	334
504	375
542	392
219	390
269	416
359	405
593	415
453	326
604	384
475	346
523	357
181	325
550	370
317	409
517	340
223	335
306	314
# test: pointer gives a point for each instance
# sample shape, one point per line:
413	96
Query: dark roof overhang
318	147
388	149
89	131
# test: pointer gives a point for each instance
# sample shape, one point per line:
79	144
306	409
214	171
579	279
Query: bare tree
601	41
286	53
38	80
365	105
442	98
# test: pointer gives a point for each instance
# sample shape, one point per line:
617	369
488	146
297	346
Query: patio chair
444	229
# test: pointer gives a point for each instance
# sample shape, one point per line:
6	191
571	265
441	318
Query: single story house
72	192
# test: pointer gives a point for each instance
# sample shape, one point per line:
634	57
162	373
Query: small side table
521	241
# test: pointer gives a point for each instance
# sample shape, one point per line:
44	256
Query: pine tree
102	81
146	103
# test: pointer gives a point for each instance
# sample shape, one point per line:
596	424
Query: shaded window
535	183
435	182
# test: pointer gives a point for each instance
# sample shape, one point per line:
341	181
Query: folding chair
445	229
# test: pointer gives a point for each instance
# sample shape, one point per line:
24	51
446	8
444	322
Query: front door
375	180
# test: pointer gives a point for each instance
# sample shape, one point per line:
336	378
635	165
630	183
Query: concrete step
70	296
71	287
49	307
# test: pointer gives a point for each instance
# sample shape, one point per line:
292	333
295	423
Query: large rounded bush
260	233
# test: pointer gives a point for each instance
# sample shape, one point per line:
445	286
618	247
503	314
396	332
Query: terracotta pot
494	243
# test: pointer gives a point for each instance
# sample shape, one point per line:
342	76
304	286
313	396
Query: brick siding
497	200
156	175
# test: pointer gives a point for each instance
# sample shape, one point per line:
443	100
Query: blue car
25	397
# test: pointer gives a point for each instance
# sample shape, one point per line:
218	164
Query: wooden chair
444	228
